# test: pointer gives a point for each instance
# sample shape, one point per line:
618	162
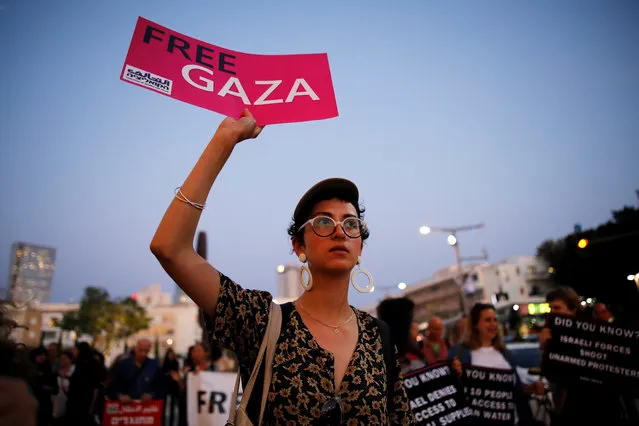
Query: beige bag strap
273	336
269	342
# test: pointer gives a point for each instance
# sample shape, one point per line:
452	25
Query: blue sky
522	115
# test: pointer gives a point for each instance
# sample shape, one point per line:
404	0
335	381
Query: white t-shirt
489	357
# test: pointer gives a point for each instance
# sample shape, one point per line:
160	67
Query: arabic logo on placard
150	80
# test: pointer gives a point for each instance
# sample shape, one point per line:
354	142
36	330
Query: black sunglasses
331	412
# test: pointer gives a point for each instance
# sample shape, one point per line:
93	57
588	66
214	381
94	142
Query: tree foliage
601	268
106	321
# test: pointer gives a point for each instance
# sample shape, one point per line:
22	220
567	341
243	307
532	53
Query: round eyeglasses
325	226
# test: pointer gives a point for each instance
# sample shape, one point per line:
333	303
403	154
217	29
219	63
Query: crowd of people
478	341
50	386
331	362
328	362
69	387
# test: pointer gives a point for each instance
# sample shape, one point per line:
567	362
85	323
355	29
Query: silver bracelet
180	196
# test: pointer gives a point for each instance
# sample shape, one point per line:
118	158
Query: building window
517	271
47	335
500	296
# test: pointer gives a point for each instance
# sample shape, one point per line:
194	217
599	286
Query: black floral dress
303	372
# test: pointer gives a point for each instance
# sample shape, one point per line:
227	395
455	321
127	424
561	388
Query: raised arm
172	243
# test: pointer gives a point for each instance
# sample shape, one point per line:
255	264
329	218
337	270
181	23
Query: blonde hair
471	336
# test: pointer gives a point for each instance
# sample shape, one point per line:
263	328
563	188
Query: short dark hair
327	189
398	314
295	232
566	295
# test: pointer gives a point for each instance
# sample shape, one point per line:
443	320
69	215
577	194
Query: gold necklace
334	327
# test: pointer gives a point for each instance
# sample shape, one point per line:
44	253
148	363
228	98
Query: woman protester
329	364
483	346
84	386
398	314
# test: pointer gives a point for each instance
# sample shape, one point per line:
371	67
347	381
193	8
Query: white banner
208	397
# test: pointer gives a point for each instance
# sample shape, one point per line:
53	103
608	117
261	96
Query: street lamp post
454	243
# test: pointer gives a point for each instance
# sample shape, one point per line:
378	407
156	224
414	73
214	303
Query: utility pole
454	243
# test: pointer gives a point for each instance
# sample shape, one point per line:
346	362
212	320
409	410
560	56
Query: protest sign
435	397
136	413
208	397
592	351
275	88
490	394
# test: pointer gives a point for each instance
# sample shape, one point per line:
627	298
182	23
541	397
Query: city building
172	325
515	280
516	287
180	297
29	324
30	273
50	313
152	296
37	325
447	294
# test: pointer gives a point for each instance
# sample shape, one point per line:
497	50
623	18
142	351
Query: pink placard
275	88
136	413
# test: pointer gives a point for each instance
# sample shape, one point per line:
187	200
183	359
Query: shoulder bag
238	416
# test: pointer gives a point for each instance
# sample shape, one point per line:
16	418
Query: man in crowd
570	399
602	313
53	353
435	349
137	377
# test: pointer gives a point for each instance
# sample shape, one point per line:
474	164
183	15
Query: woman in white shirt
483	346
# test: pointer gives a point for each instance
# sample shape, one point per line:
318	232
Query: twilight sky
522	115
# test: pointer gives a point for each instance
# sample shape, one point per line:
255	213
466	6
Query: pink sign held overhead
275	88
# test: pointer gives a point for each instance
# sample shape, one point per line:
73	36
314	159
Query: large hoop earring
309	284
359	270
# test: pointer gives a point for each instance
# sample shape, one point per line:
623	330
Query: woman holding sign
483	346
328	365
